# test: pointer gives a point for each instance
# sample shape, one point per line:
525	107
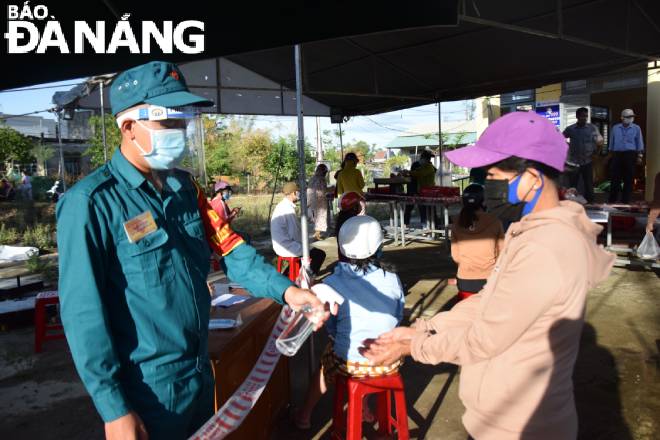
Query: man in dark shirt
412	190
584	140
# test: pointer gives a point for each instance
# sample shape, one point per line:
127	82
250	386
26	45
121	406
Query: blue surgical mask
226	196
514	199
168	147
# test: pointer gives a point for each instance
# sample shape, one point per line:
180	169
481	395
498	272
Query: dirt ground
617	376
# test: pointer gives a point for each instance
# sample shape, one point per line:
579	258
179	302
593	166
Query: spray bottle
296	333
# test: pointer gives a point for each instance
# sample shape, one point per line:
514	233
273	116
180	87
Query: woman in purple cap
518	340
219	204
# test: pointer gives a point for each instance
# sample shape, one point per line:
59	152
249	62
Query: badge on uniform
139	227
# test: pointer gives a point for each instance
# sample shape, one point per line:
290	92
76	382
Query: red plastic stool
464	295
215	264
383	386
41	326
294	266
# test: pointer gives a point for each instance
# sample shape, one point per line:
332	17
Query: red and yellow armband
219	234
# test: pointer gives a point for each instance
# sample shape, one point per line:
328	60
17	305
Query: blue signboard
550	112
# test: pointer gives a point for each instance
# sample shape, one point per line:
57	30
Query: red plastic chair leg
384	412
294	268
39	325
401	415
354	422
338	421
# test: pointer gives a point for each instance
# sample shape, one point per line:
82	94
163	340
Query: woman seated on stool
476	241
373	303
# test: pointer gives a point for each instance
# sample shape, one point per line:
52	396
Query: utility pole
319	144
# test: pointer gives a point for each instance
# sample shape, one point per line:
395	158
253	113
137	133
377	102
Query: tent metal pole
301	158
303	186
202	152
442	171
105	145
59	139
341	144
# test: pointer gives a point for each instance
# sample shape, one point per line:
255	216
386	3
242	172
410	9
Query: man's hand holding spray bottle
307	318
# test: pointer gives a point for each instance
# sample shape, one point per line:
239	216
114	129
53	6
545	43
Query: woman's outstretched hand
389	347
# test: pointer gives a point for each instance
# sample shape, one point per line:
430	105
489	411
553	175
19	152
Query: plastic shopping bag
648	249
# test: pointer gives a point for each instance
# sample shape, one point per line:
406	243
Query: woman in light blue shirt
373	304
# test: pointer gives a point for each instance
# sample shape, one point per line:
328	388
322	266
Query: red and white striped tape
234	411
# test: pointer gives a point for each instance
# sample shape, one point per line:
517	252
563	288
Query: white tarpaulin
16	253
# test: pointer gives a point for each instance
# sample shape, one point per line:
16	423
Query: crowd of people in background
626	145
22	189
497	329
521	162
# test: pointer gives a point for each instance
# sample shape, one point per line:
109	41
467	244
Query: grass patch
254	214
8	235
47	269
28	224
42	236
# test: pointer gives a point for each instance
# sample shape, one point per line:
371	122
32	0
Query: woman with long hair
318	204
477	239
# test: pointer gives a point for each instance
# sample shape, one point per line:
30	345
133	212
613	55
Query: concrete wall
488	109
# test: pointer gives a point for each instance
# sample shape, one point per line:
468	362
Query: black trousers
584	172
408	212
622	169
472	286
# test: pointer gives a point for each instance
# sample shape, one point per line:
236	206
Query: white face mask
168	147
628	120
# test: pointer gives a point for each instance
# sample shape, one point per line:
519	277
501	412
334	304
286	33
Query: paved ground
617	377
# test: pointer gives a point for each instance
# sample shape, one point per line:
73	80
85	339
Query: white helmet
360	237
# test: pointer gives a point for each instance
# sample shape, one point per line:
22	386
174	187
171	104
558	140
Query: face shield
171	140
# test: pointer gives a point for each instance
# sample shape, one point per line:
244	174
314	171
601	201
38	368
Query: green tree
333	157
14	146
113	139
284	153
217	143
248	151
399	161
361	148
42	153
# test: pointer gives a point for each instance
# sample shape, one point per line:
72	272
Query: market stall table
398	204
392	182
234	352
604	214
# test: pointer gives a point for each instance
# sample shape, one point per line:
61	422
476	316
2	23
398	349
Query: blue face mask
513	195
226	196
168	147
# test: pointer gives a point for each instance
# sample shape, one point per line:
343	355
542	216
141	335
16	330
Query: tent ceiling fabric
240	91
497	47
376	73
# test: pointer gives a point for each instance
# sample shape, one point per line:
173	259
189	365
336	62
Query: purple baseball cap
521	134
220	185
